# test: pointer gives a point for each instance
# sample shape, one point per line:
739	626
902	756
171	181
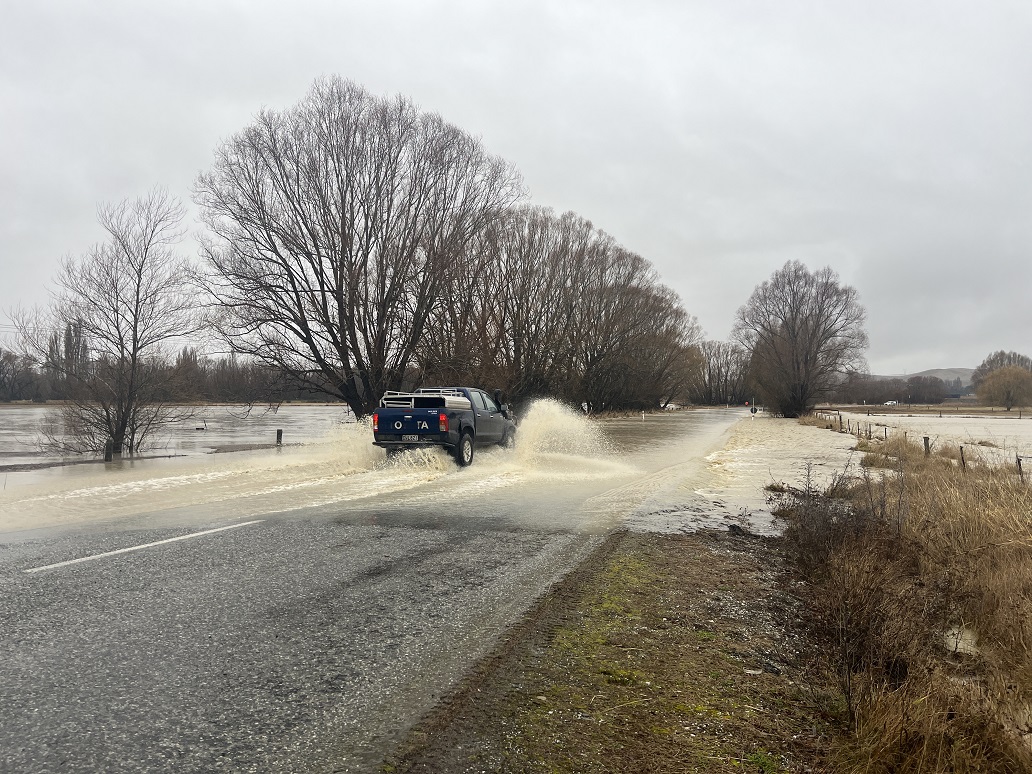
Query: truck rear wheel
464	451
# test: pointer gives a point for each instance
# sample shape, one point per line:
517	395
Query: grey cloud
888	140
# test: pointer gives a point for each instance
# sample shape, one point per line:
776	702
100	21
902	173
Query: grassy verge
889	630
918	577
673	654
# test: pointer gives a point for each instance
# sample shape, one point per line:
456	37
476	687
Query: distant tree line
189	377
354	245
358	245
553	306
719	374
862	389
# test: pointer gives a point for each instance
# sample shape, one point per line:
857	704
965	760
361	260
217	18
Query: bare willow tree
628	329
803	330
720	373
336	227
558	308
515	327
1007	386
997	360
17	376
106	336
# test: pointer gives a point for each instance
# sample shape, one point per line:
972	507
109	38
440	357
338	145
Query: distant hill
946	374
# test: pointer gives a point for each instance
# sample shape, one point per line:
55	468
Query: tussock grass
920	584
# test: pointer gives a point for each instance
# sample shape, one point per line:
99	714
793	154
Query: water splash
550	428
556	447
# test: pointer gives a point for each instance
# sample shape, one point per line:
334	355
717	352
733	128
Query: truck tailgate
408	424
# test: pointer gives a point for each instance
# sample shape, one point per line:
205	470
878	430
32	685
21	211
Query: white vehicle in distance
891	403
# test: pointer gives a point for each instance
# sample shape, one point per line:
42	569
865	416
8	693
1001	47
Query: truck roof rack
426	397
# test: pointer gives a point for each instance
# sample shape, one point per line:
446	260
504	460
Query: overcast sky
890	140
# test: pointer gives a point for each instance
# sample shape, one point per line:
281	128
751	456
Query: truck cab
456	418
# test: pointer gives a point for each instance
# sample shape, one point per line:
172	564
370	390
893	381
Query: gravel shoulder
659	653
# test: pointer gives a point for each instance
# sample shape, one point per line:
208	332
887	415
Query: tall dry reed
919	576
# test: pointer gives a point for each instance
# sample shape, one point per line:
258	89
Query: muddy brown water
668	472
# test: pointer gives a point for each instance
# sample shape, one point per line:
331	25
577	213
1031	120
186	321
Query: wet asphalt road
306	643
311	639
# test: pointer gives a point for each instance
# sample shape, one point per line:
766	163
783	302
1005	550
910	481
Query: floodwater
207	429
670	472
994	438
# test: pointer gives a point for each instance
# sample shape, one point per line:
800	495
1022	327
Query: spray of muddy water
555	447
672	472
560	457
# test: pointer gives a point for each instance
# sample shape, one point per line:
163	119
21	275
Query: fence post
1021	475
279	437
927	449
963	464
840	421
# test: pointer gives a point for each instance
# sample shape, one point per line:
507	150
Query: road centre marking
137	548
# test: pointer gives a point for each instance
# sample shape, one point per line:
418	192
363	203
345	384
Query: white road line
145	545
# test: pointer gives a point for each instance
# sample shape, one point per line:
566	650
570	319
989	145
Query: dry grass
921	585
673	654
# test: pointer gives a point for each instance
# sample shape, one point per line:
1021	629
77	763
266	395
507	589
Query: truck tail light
443	422
376	422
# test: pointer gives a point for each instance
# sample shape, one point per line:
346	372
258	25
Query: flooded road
560	460
297	609
565	473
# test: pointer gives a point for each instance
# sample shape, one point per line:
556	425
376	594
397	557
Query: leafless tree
666	352
539	258
516	327
997	360
336	227
1007	386
558	308
803	330
16	375
613	315
720	376
106	335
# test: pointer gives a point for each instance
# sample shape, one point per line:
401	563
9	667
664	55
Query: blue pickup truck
456	418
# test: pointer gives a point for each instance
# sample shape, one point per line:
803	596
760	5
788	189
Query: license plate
410	437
